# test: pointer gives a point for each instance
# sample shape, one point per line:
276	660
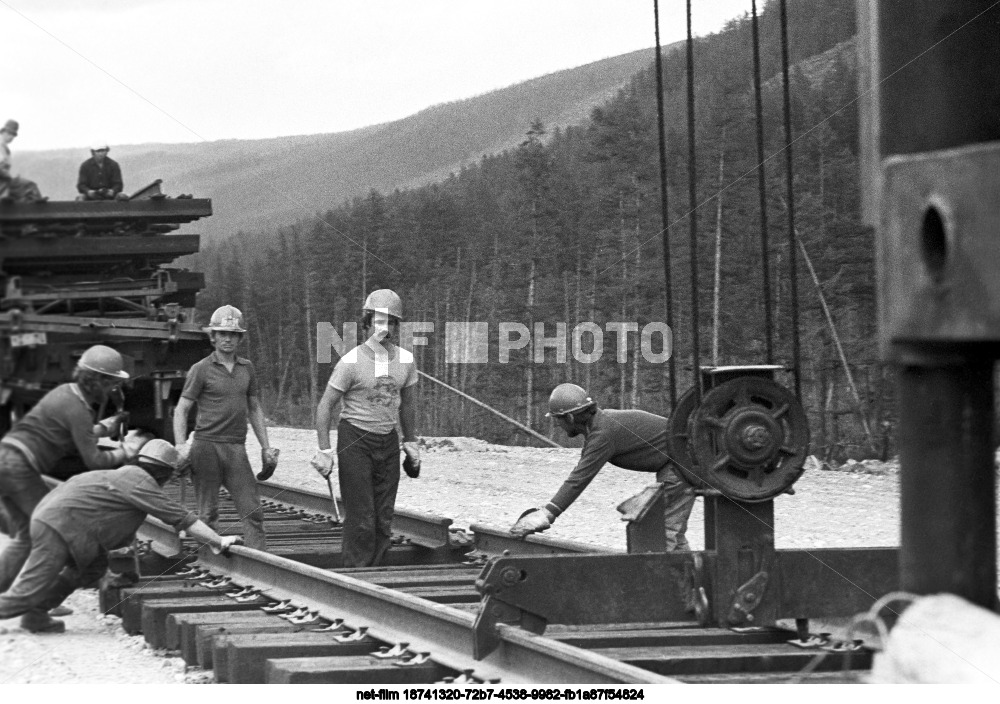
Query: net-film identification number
507	693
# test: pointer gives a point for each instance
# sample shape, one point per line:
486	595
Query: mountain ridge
265	183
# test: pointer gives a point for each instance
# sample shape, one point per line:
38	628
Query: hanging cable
664	211
792	249
765	259
693	210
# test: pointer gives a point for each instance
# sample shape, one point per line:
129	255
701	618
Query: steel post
948	490
940	90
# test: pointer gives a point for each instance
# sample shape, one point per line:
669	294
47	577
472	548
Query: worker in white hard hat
100	176
630	439
78	522
376	382
62	423
224	386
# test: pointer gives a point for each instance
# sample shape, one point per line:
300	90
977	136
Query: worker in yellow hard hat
376	381
630	439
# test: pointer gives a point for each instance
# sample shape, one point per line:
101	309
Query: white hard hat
386	301
568	398
100	146
104	360
160	451
226	319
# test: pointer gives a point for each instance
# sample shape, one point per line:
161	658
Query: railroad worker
224	386
629	439
60	424
14	188
100	176
376	381
76	525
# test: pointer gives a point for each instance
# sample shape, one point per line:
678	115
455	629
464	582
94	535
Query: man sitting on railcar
100	176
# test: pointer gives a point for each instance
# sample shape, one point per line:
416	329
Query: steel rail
493	540
395	617
423	529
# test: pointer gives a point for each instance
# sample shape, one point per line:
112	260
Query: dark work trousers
21	489
49	575
215	464
369	477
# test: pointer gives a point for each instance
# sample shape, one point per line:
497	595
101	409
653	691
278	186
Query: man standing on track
629	439
225	388
377	383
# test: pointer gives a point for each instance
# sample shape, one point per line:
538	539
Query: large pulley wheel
679	438
749	438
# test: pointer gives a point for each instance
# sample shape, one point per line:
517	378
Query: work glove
227	542
534	520
133	442
411	459
268	463
324	462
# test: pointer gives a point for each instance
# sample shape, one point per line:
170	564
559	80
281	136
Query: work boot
60	611
41	622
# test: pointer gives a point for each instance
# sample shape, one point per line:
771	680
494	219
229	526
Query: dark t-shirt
222	398
629	439
102	510
61	424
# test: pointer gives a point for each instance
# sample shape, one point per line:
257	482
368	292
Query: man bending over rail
629	439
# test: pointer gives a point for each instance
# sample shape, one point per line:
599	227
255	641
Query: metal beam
61	249
105	327
446	633
166	210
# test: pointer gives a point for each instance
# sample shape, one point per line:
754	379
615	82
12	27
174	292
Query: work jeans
678	499
48	576
369	477
21	489
215	464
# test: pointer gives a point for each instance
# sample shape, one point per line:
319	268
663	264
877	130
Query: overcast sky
134	71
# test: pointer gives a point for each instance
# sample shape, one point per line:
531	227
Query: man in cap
62	423
100	176
376	381
14	188
76	525
225	388
629	439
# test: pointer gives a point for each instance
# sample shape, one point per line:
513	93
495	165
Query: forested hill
565	228
256	184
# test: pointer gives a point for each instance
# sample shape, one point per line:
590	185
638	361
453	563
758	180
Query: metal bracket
748	598
938	251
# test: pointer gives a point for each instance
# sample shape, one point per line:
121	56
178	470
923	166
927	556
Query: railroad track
295	615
